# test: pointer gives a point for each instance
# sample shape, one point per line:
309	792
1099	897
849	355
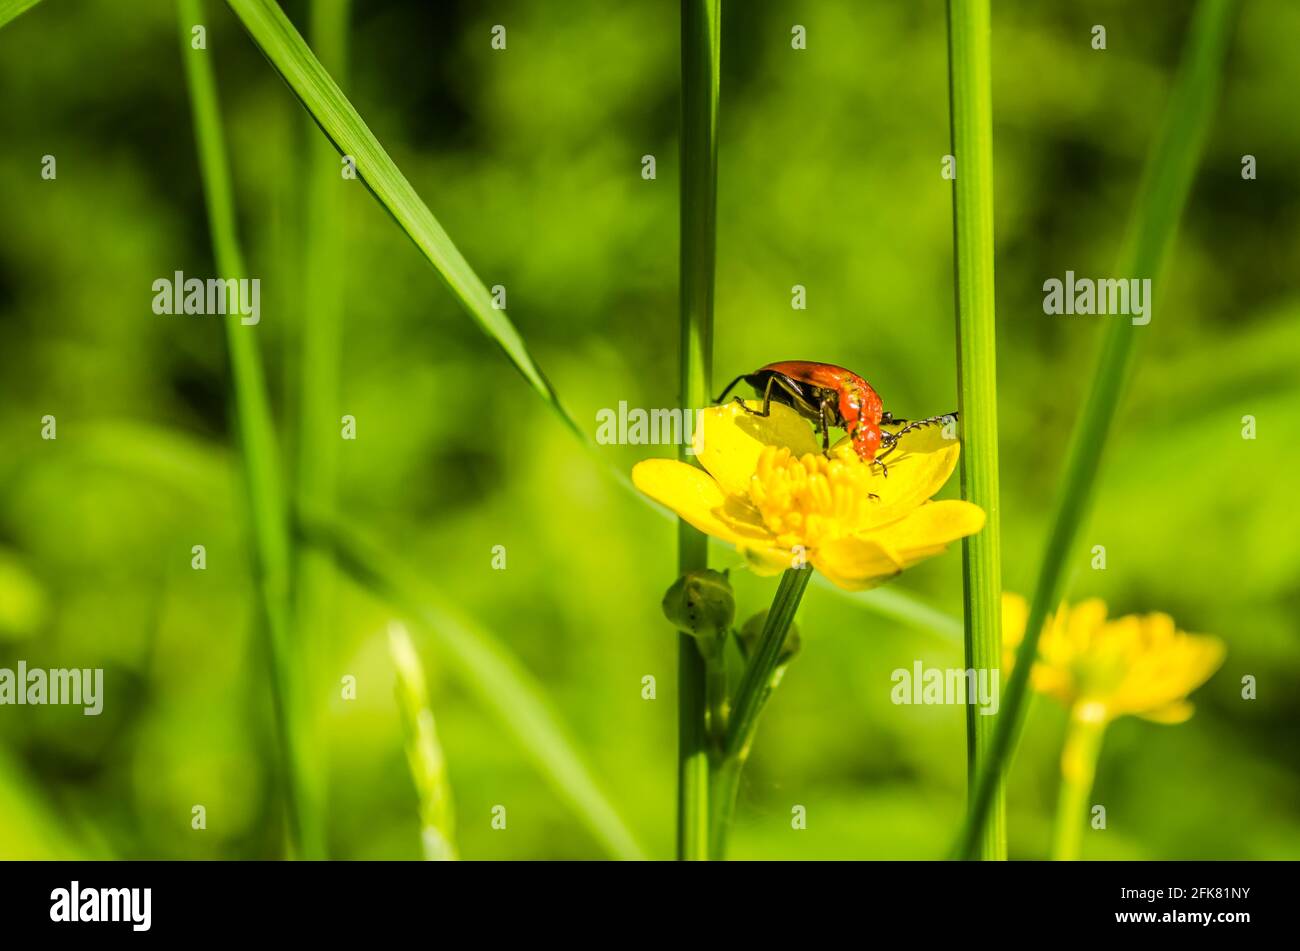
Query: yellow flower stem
1078	770
725	786
762	674
701	47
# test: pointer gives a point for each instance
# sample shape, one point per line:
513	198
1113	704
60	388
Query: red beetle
829	396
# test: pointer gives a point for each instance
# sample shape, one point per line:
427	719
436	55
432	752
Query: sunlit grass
972	138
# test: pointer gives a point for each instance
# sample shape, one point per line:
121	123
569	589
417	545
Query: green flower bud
751	634
700	603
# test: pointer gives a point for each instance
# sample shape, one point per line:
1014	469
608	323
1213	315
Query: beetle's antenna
729	388
919	423
890	440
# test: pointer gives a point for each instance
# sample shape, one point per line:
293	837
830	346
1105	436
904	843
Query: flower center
810	500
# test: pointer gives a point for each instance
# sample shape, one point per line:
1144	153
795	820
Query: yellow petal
1015	615
1085	621
926	531
912	473
856	563
729	441
692	494
1169	666
1176	712
766	560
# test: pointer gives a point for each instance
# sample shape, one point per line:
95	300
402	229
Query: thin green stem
270	530
1166	183
491	673
725	789
424	754
701	52
320	328
715	682
757	681
762	674
692	753
1078	770
972	140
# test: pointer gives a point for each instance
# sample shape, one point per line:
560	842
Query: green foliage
830	164
320	95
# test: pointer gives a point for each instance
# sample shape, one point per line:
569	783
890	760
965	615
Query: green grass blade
318	412
321	326
701	58
1162	195
270	531
424	754
972	139
12	9
498	680
319	93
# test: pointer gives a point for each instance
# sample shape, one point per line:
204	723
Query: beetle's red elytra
830	396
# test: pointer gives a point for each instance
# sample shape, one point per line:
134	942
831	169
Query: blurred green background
829	177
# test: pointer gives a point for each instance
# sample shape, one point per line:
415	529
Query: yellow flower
1138	664
767	488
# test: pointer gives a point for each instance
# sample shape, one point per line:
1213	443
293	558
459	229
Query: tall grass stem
260	456
320	334
972	142
701	57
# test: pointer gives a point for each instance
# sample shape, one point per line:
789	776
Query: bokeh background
829	177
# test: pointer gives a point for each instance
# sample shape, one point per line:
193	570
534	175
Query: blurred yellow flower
767	488
1138	664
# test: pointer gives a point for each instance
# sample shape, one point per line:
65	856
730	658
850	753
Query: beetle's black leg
729	388
890	441
767	399
825	427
